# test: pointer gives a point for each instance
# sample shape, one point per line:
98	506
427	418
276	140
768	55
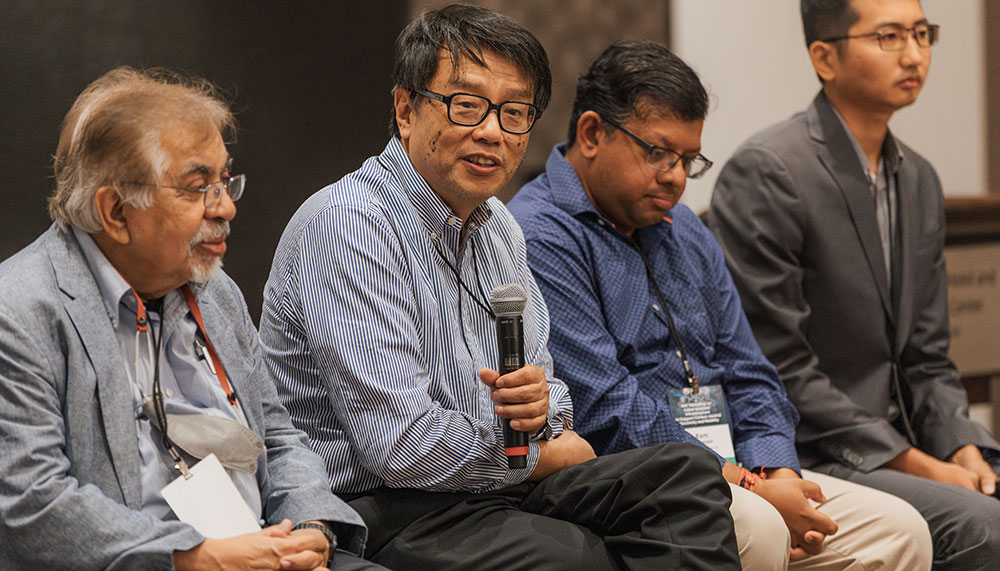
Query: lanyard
220	372
154	341
692	379
475	268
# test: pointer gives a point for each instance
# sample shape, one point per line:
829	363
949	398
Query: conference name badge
209	501
703	416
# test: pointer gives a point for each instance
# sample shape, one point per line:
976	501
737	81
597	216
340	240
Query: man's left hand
521	396
970	458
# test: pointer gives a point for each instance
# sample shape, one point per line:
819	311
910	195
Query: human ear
403	104
111	212
589	134
825	60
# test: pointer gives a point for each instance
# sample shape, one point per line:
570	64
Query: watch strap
331	537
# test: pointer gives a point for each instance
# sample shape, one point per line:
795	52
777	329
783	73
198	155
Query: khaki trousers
876	531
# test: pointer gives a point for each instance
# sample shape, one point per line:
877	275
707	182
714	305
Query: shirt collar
114	289
564	184
568	193
891	153
432	211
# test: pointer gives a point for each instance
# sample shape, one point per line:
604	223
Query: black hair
466	32
628	74
823	19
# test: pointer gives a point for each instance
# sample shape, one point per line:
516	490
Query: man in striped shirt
378	329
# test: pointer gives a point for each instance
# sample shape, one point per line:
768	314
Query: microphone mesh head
508	299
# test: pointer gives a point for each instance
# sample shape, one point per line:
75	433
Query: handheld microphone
508	303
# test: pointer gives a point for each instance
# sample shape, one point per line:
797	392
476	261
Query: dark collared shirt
610	340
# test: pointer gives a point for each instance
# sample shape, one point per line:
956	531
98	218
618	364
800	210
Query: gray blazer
796	220
69	462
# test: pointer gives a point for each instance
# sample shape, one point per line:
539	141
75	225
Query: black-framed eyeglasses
663	159
212	192
469	110
893	38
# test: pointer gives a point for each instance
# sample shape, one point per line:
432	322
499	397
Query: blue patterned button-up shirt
376	348
610	338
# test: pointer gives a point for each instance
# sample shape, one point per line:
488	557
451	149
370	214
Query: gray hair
112	134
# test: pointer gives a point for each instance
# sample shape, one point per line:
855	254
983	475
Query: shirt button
656	307
601	222
169	392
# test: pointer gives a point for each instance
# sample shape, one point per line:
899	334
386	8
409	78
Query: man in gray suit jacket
833	231
142	208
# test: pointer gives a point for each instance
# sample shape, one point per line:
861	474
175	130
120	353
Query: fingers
526	375
522	397
797	553
304	560
813	491
987	481
279	530
821	524
309	539
489	377
812	542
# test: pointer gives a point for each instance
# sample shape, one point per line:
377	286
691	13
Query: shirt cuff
769	451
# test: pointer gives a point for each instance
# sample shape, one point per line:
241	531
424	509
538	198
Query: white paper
210	502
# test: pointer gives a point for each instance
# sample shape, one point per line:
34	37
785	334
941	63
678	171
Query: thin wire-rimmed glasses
211	192
893	38
663	159
469	110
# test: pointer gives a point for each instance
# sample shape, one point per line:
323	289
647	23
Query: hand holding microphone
522	396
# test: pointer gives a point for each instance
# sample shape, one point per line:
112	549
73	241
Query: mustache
210	231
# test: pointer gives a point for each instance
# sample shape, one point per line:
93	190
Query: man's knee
901	533
974	532
762	537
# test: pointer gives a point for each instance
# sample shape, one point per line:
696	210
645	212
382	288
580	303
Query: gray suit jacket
796	220
69	462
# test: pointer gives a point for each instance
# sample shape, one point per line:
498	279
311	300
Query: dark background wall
309	81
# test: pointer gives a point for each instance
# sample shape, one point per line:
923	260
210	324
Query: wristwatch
327	532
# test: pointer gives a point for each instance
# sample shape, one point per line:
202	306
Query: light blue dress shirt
188	385
376	348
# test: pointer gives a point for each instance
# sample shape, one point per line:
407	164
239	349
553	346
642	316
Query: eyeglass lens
664	160
465	109
893	40
232	185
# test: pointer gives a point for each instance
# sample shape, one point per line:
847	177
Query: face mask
236	446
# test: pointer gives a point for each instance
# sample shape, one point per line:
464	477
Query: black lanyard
475	268
693	381
143	324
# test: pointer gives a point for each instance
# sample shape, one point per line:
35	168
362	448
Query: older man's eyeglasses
893	38
469	110
212	192
663	159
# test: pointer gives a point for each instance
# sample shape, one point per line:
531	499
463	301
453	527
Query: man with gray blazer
833	231
129	365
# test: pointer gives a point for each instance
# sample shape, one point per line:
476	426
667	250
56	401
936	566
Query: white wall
751	55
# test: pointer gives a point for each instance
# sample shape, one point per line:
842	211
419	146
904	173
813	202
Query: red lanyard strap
219	370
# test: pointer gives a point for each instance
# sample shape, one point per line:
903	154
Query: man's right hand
567	449
790	495
271	548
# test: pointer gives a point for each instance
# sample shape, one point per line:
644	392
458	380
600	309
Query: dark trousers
965	525
662	507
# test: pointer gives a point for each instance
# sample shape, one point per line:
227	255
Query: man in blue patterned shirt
647	328
378	330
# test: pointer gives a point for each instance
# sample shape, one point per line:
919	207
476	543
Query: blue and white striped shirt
375	347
